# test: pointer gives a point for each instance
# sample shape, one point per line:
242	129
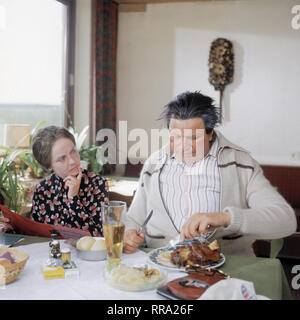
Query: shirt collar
213	151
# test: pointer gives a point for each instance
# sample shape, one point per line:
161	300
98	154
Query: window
35	67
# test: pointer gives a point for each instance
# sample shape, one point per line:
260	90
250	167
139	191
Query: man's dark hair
190	105
43	141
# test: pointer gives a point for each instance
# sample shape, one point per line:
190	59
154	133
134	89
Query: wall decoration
221	66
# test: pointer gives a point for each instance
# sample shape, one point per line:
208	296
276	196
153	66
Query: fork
203	238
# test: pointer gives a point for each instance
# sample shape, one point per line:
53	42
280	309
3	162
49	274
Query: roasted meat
195	253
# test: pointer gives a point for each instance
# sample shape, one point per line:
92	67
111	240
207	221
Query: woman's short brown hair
43	141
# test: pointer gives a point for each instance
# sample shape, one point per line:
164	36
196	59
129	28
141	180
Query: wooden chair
120	197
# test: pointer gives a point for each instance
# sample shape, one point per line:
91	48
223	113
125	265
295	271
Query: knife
142	227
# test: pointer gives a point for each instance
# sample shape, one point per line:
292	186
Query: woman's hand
4	225
200	223
132	240
73	183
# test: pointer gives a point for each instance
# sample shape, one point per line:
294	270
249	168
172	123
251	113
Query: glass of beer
113	215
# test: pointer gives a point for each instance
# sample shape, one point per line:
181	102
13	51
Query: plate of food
135	278
188	253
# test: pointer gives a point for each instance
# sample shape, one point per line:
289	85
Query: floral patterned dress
51	204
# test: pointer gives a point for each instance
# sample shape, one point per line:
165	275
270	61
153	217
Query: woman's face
65	160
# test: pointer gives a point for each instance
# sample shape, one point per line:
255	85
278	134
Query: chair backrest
287	180
120	197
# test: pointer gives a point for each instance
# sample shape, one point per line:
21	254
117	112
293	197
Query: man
200	182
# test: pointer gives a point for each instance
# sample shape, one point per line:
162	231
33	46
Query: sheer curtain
33	60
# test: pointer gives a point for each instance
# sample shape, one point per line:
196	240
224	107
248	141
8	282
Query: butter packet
53	272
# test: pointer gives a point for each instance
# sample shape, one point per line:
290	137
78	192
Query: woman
71	197
4	225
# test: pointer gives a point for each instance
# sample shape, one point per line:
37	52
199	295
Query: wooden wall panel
287	180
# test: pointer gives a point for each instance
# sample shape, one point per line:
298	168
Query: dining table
266	274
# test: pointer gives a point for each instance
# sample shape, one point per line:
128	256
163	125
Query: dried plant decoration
221	66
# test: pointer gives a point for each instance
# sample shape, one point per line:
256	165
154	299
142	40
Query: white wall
164	51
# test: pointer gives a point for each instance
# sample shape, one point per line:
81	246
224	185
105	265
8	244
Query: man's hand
4	225
132	240
200	223
73	183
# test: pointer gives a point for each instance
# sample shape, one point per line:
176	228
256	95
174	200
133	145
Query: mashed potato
134	276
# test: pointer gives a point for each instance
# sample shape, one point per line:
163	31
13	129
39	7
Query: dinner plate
127	282
161	257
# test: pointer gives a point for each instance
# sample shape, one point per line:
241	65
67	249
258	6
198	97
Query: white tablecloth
90	284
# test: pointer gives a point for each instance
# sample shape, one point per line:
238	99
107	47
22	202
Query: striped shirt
188	189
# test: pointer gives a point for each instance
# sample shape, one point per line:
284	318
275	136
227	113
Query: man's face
189	140
65	160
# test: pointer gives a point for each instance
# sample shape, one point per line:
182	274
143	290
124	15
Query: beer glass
113	215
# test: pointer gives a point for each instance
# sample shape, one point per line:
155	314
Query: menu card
27	226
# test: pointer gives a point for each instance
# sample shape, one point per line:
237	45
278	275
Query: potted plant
30	168
19	174
88	154
11	192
